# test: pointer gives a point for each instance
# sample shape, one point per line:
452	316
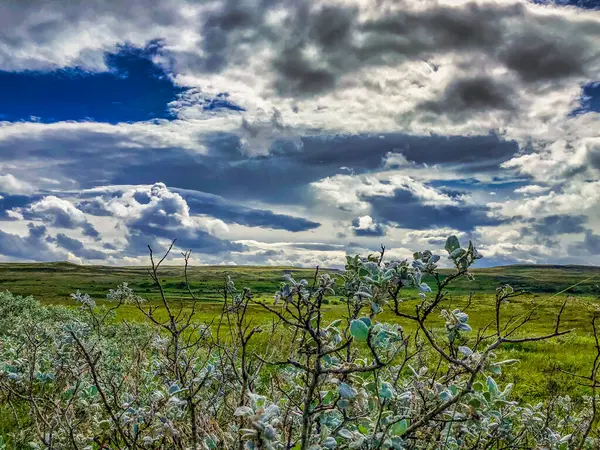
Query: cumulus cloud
353	193
573	198
531	189
365	226
61	214
96	202
11	185
31	247
154	215
77	247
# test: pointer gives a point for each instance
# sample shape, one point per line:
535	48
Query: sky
294	132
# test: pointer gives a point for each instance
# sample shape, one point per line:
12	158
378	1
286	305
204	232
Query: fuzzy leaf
243	411
399	428
359	330
452	244
346	391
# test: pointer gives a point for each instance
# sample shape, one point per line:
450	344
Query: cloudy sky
295	132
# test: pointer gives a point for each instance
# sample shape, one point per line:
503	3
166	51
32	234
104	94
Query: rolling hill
54	282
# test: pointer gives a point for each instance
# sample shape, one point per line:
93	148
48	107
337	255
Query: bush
79	379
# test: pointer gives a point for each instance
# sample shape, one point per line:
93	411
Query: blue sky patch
134	89
585	4
590	99
221	102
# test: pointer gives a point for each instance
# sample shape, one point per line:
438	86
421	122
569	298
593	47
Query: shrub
79	379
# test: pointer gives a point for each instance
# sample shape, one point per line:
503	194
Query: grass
54	282
541	364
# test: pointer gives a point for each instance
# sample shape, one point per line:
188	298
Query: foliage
81	379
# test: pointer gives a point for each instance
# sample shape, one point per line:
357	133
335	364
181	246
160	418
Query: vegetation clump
80	379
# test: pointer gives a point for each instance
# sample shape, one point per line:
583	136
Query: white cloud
365	223
531	189
57	210
576	198
348	191
429	238
157	206
12	185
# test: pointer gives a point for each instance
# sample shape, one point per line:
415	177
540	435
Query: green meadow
542	367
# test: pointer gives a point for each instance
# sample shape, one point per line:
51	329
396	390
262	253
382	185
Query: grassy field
54	282
541	363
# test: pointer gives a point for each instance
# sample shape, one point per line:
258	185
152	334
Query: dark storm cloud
225	28
142	234
541	56
535	47
590	245
97	158
407	211
555	225
391	39
31	247
8	202
76	247
284	176
230	213
331	28
465	96
56	20
593	157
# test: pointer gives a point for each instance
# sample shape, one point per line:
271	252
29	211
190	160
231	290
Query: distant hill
54	282
537	278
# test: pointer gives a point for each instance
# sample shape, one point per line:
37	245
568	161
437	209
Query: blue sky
131	89
294	133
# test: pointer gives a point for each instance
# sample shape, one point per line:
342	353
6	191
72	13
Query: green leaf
465	350
367	321
458	253
328	398
507	390
492	386
330	443
475	402
345	433
346	391
243	411
335	323
386	391
452	244
399	428
375	308
359	330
